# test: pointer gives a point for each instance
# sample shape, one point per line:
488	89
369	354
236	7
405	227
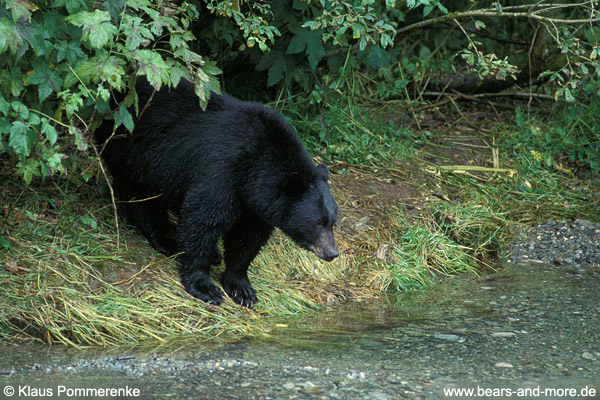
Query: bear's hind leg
242	243
153	223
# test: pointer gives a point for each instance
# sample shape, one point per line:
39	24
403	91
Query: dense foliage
62	61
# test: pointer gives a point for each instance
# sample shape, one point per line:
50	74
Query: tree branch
490	14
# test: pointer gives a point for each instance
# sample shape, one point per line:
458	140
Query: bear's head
311	213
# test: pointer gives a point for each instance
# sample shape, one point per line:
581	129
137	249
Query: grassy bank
415	202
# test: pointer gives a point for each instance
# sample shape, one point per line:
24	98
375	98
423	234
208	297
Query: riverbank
525	327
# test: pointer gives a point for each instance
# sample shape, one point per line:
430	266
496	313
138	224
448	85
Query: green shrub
61	60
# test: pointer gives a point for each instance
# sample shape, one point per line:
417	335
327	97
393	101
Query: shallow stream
527	331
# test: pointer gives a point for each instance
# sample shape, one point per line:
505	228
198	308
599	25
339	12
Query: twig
438	104
145	106
517	95
110	188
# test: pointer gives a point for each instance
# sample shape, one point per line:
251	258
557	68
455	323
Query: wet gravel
531	325
570	243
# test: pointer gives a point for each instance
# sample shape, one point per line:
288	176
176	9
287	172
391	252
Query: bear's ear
294	186
323	172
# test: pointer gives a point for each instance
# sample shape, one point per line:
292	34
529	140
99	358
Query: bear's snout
326	247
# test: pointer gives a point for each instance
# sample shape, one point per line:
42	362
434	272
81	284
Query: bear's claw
240	291
205	291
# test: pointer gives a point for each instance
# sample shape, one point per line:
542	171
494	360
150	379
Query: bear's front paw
204	290
240	291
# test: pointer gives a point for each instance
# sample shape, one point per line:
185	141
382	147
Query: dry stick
518	95
145	106
110	188
550	7
530	67
112	192
438	104
105	175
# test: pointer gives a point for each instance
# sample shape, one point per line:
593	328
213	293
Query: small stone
377	395
503	365
310	390
588	356
503	334
447	336
289	386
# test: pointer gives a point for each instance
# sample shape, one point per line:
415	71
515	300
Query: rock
503	334
447	336
588	356
377	395
503	365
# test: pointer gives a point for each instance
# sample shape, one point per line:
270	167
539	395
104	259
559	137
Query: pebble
588	356
569	243
503	365
503	334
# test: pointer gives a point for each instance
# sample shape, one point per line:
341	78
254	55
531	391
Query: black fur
234	171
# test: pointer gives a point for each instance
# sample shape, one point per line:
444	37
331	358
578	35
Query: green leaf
72	102
11	36
135	32
123	117
80	141
178	71
47	79
21	138
310	41
277	71
111	70
152	66
206	83
72	6
21	110
138	4
441	7
96	26
28	169
386	40
297	44
11	80
4	105
49	130
568	96
21	9
70	51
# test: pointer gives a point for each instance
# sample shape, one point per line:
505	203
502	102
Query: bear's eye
319	224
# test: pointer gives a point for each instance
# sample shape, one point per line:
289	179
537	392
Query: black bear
234	171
